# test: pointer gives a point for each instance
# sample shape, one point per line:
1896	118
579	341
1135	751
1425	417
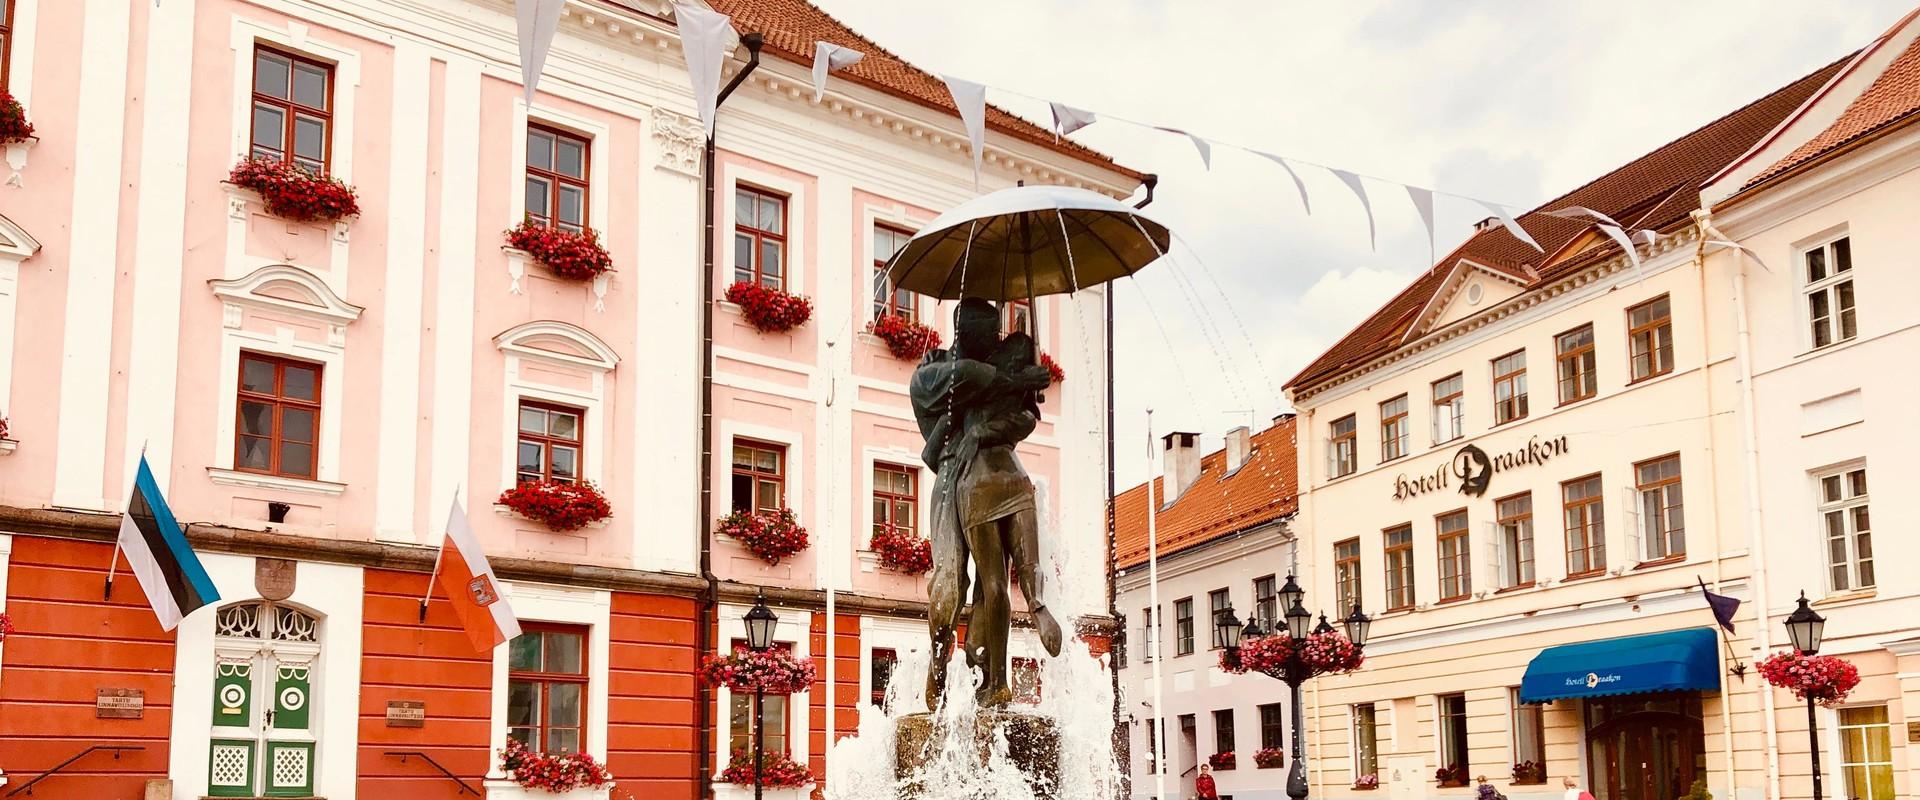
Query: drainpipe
1756	522
703	630
1113	541
1713	475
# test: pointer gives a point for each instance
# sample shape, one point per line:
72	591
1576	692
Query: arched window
262	742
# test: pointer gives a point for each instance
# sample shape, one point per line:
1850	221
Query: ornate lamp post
1295	670
760	622
1805	627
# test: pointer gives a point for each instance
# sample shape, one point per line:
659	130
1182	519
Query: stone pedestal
1033	745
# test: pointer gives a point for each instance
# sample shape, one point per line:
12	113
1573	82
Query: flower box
902	550
560	506
1269	758
508	789
1054	371
773	672
1223	761
290	192
576	255
1452	776
906	340
771	535
1826	680
14	127
563	774
777	770
770	310
1367	783
1529	773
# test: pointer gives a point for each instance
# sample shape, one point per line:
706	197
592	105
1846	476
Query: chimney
1487	224
1183	464
1239	445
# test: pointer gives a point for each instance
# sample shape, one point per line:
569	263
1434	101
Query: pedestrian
1203	785
1573	789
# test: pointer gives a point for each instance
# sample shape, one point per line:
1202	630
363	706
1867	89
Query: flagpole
435	574
113	564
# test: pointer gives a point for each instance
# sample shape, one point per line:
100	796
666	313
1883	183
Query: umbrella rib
941	237
1006	260
1119	259
1066	243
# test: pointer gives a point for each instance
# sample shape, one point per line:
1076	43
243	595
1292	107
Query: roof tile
1218	505
1892	98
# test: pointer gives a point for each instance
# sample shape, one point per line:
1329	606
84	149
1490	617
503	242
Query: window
1514	516
1266	602
886	298
1829	293
1849	531
760	238
883	659
279	416
1342	452
896	501
1866	753
1650	338
1017	315
1346	575
1449	408
556	178
1366	741
1529	736
759	476
1586	526
263	740
292	109
1453	735
1119	650
773	714
1510	387
1223	730
1273	725
547	687
1150	633
1574	359
1218	600
6	42
549	446
1456	568
1399	557
1183	626
1153	746
1657	484
1393	428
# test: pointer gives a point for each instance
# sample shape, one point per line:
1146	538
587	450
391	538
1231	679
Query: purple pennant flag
1722	605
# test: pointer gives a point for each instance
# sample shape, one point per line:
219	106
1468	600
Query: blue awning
1656	662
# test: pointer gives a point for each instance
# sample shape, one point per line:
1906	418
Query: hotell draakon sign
1472	469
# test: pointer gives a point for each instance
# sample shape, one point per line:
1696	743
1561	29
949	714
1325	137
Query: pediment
287	288
1469	289
15	242
558	341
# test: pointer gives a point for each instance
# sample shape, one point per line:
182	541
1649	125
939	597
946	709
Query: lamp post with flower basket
1805	627
1292	654
760	622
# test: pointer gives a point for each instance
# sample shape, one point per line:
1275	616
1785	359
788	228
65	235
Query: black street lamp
1298	625
760	622
1805	627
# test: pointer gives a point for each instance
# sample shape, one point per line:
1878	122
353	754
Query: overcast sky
1515	101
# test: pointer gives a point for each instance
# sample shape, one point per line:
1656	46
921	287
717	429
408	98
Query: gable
1468	290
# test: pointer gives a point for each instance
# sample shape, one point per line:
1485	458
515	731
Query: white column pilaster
400	341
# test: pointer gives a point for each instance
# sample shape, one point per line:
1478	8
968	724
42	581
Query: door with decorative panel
262	742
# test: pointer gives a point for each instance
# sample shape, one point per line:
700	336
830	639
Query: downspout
1713	475
1756	523
1120	736
704	627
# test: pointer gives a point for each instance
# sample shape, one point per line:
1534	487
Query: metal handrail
28	786
403	755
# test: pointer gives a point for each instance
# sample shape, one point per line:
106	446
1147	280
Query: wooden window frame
1533	717
1648	524
556	179
778	476
1266	606
547	441
1150	632
1457	416
887	298
1849	506
1521	577
757	272
781	730
1576	368
893	499
1592	526
546	680
1010	312
1405	571
877	691
1351	441
1461	560
1832	253
1453	737
1516	384
280	402
1183	626
288	107
1218	600
1396	433
1653	331
1223	734
1346	576
1856	751
1366	756
1273	729
6	44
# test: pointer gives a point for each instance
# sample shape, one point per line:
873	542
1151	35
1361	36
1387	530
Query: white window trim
328	310
798	201
600	364
1406	428
908	640
593	608
294	36
599	178
1820	509
892	216
1353	738
1835	743
1643	538
16	245
1822	241
1437	411
796	628
26	17
872	457
795	468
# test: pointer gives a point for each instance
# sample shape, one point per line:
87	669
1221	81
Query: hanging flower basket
561	506
293	193
1328	653
771	535
557	773
1530	773
14	127
1331	653
1269	758
1367	782
1826	680
1054	372
575	255
902	550
1221	761
777	770
1452	775
770	310
773	672
906	339
6	627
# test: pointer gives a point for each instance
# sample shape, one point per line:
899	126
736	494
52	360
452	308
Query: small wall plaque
273	578
119	703
406	714
1913	731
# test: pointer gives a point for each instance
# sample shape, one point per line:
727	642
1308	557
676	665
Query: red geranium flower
901	549
774	671
1269	757
570	254
1054	371
770	310
906	339
1826	680
14	126
777	769
293	193
562	506
771	535
558	773
6	627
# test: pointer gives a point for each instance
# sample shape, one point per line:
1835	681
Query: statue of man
974	404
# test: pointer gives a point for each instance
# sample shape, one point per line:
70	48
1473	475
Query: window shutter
1633	523
1326	446
1496	554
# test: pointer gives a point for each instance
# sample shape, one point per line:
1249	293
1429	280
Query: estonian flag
157	549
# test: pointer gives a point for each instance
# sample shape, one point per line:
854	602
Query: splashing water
1077	693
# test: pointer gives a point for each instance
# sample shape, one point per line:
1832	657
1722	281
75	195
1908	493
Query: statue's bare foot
1049	630
994	696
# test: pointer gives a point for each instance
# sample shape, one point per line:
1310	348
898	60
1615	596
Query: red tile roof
1218	505
791	27
1659	190
1890	101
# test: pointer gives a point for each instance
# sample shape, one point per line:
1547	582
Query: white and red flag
464	573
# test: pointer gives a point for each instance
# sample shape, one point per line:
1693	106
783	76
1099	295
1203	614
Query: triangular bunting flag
1512	225
1353	182
1202	145
1423	202
1612	229
536	21
828	57
1298	185
703	41
971	100
1067	119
